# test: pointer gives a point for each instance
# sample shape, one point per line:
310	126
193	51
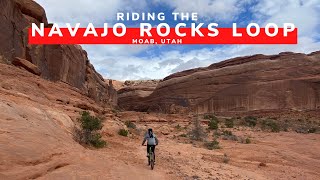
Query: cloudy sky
132	62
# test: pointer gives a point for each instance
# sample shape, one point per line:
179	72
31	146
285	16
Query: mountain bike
151	158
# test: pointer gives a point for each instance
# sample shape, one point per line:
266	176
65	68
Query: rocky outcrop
26	65
135	91
66	63
287	81
37	122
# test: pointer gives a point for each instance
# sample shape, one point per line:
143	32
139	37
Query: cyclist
152	141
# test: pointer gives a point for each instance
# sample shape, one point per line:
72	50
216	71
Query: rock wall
66	63
135	91
287	81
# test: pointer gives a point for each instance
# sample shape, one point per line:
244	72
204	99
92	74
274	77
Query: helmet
150	130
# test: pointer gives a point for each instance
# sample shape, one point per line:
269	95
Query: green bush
183	135
197	133
88	132
89	122
271	125
123	132
130	124
248	140
212	145
250	121
210	116
229	123
312	130
96	141
227	135
213	124
178	127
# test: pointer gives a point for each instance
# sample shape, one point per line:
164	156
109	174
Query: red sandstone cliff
135	91
66	63
287	81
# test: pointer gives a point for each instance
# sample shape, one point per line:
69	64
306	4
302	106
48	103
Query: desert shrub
284	126
130	124
226	158
123	132
178	127
248	141
306	129
213	124
312	130
250	121
197	133
89	122
229	123
96	141
88	133
183	135
212	145
270	124
209	116
244	140
227	135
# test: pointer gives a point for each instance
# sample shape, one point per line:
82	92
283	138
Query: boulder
26	65
32	9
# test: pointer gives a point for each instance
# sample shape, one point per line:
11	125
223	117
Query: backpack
151	139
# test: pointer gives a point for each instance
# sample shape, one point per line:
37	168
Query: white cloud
86	11
226	10
130	67
304	14
125	62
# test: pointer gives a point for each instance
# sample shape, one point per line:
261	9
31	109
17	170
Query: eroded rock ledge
286	81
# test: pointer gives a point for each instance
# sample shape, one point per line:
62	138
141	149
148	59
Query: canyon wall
66	63
135	91
287	81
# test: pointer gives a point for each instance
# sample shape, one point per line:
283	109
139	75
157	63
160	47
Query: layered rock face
66	63
135	91
287	81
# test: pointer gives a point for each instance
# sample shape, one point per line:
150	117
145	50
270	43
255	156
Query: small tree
89	130
197	133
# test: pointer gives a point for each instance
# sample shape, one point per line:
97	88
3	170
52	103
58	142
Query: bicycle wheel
152	161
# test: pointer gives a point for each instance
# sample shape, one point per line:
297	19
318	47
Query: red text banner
133	36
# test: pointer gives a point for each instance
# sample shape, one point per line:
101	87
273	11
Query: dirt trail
287	155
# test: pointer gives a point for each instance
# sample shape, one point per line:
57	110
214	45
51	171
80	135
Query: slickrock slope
135	91
36	125
287	81
66	63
